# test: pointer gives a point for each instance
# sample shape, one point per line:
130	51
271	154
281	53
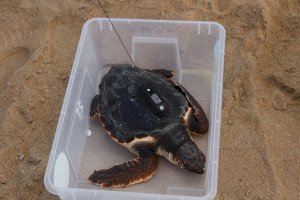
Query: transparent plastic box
194	50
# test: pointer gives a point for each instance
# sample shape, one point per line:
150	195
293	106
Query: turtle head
189	157
177	146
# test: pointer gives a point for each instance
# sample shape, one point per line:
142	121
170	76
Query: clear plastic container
195	50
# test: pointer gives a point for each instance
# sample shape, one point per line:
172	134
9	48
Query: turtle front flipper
164	72
135	171
196	119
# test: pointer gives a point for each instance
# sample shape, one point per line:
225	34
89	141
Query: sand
260	144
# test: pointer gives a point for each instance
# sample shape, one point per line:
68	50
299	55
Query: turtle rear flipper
135	171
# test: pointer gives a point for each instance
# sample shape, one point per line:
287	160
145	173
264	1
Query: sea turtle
150	114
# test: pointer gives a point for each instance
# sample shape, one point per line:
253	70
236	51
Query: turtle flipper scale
196	122
135	171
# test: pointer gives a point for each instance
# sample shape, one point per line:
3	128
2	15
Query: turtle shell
136	103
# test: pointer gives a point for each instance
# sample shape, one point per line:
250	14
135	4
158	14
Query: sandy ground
260	145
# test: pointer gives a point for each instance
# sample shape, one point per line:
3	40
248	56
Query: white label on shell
155	98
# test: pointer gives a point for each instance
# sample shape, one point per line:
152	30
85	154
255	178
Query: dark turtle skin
150	114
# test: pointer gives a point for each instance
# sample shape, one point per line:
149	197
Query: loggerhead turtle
150	114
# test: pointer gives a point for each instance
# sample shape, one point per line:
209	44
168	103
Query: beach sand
260	144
